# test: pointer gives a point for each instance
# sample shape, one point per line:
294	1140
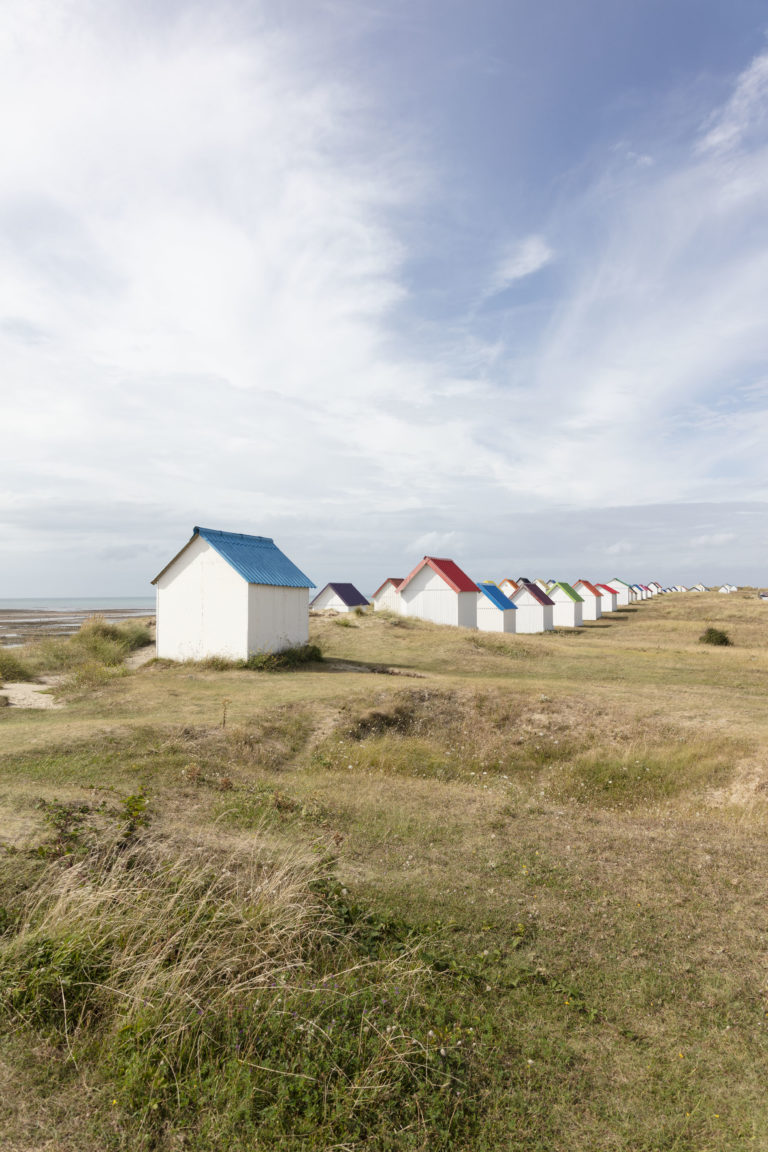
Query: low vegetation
508	895
715	636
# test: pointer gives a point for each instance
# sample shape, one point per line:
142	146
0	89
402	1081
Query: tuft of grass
96	643
284	661
13	667
715	636
252	1000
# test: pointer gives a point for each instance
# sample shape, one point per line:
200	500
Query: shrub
12	667
715	636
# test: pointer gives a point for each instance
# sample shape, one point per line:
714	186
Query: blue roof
496	596
256	558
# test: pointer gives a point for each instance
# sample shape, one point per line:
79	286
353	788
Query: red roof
590	587
454	577
608	588
396	580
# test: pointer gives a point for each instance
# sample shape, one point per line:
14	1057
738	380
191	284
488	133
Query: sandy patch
142	656
26	695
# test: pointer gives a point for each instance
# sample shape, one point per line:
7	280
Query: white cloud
745	111
619	548
520	260
715	540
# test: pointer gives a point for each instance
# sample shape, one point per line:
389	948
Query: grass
508	895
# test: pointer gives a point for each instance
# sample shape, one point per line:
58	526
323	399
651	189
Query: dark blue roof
348	595
496	596
256	558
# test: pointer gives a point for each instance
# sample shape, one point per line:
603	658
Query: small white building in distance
439	591
495	611
592	608
568	605
610	601
227	594
387	596
535	610
338	598
508	586
626	595
698	588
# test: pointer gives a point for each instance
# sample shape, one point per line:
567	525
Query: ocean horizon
78	603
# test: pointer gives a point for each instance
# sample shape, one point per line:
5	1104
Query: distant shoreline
26	619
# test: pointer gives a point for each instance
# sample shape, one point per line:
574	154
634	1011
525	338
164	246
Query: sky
380	279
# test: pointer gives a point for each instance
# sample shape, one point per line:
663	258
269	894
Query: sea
24	618
138	604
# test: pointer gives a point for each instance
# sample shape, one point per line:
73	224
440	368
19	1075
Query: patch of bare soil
142	656
25	695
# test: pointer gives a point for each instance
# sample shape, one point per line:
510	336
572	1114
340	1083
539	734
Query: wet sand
18	626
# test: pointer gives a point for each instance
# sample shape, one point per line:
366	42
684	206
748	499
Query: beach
25	622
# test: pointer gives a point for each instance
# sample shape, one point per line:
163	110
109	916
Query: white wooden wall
428	597
202	607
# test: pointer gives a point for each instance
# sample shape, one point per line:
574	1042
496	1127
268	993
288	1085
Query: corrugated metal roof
256	558
496	596
590	587
348	595
396	581
536	592
454	577
571	593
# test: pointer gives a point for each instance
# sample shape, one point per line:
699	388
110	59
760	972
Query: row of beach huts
439	590
230	594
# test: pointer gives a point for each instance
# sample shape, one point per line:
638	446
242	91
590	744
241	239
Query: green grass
545	858
13	667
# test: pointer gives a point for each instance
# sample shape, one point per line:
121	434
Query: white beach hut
495	612
535	610
698	588
508	586
338	598
610	601
624	591
440	591
568	605
592	608
232	595
387	597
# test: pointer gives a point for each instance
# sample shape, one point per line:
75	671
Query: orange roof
590	587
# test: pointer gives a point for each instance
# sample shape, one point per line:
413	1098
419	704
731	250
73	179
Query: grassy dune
439	890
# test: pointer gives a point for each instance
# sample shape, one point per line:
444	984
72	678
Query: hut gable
339	598
495	611
440	591
387	595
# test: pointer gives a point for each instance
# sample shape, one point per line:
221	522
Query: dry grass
574	823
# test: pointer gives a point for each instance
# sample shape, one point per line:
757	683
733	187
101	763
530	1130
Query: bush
97	642
715	636
13	668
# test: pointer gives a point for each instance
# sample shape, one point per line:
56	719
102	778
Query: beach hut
698	588
439	591
568	605
338	598
387	596
508	586
495	611
592	597
656	588
232	595
535	610
543	584
624	591
610	601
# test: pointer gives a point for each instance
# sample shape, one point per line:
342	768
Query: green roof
568	591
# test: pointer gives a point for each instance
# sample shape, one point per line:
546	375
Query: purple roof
536	592
348	595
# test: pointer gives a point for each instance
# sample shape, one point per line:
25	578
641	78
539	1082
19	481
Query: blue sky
378	279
